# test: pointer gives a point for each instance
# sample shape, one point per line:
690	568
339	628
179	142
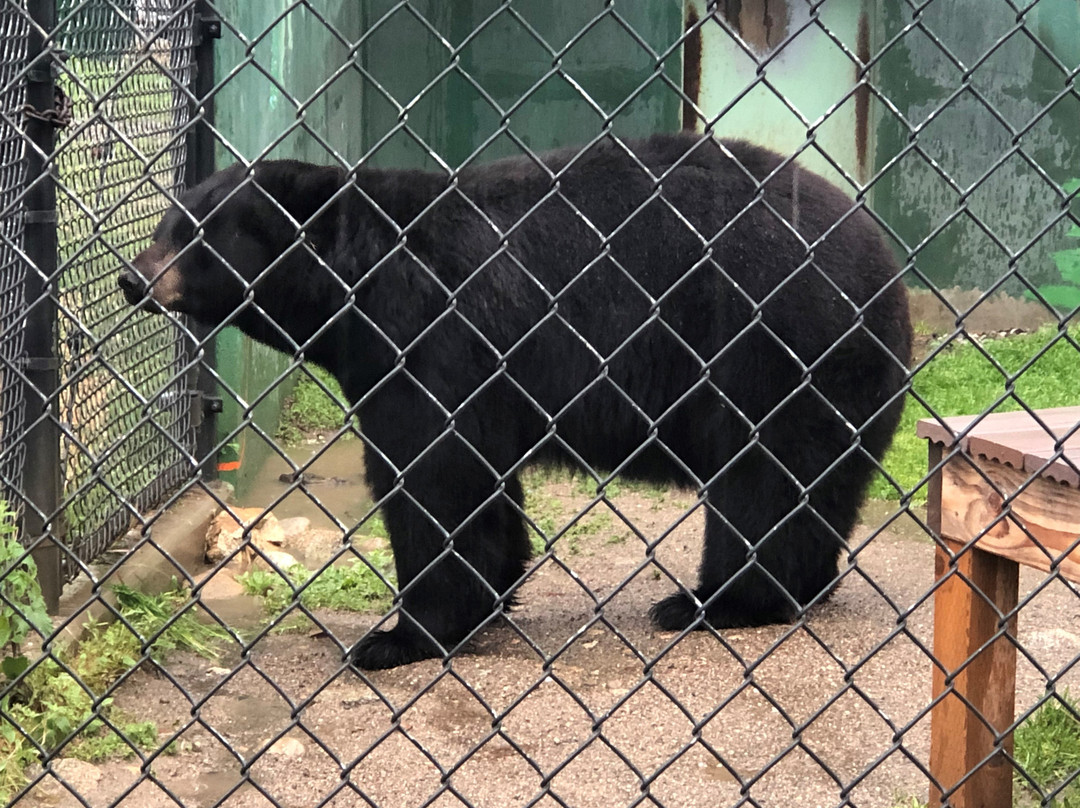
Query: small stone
278	558
294	526
288	747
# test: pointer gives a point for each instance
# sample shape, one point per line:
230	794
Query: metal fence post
199	166
42	526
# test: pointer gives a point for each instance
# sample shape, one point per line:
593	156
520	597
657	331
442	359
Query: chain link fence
119	400
15	33
123	396
928	667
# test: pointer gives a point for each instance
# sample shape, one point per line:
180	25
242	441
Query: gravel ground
807	716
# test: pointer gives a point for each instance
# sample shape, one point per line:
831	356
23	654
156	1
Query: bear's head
214	253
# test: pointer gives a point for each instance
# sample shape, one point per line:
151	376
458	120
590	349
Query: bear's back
708	234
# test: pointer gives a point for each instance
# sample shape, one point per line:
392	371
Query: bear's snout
135	290
152	281
133	287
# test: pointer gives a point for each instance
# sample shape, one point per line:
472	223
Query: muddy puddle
332	487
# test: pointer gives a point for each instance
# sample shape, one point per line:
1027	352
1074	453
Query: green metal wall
294	114
963	161
292	87
1014	99
506	76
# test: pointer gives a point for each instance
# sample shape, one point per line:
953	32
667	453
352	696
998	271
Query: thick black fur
656	314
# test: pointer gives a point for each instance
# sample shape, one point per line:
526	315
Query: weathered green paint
1012	101
259	117
809	88
393	79
478	72
965	137
286	81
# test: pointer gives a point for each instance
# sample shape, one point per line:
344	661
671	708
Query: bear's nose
133	286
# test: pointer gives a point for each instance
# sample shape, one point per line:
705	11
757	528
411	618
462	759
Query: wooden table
1009	496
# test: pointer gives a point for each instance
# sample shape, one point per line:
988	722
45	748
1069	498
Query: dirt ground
575	699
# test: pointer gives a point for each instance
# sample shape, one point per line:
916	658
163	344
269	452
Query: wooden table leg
966	616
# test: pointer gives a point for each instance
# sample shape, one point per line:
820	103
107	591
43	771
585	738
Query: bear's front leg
460	546
381	649
443	599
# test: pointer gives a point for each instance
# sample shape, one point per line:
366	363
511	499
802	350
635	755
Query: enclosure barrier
950	124
100	422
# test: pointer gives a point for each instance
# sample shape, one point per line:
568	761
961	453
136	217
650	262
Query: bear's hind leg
765	555
735	594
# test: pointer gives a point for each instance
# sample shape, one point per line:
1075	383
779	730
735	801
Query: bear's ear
300	188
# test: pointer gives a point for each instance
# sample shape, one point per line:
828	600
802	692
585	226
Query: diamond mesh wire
573	698
127	70
14	29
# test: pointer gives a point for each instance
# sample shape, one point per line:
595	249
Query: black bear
678	308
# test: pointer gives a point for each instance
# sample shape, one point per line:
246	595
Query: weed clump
60	703
358	586
1048	750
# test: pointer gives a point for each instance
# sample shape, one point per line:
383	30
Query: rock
279	558
220	586
225	536
316	546
294	526
80	776
287	747
368	544
1054	638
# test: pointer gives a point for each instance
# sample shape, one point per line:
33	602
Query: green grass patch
98	743
49	707
22	608
315	404
962	380
114	647
1048	748
353	587
551	514
55	709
